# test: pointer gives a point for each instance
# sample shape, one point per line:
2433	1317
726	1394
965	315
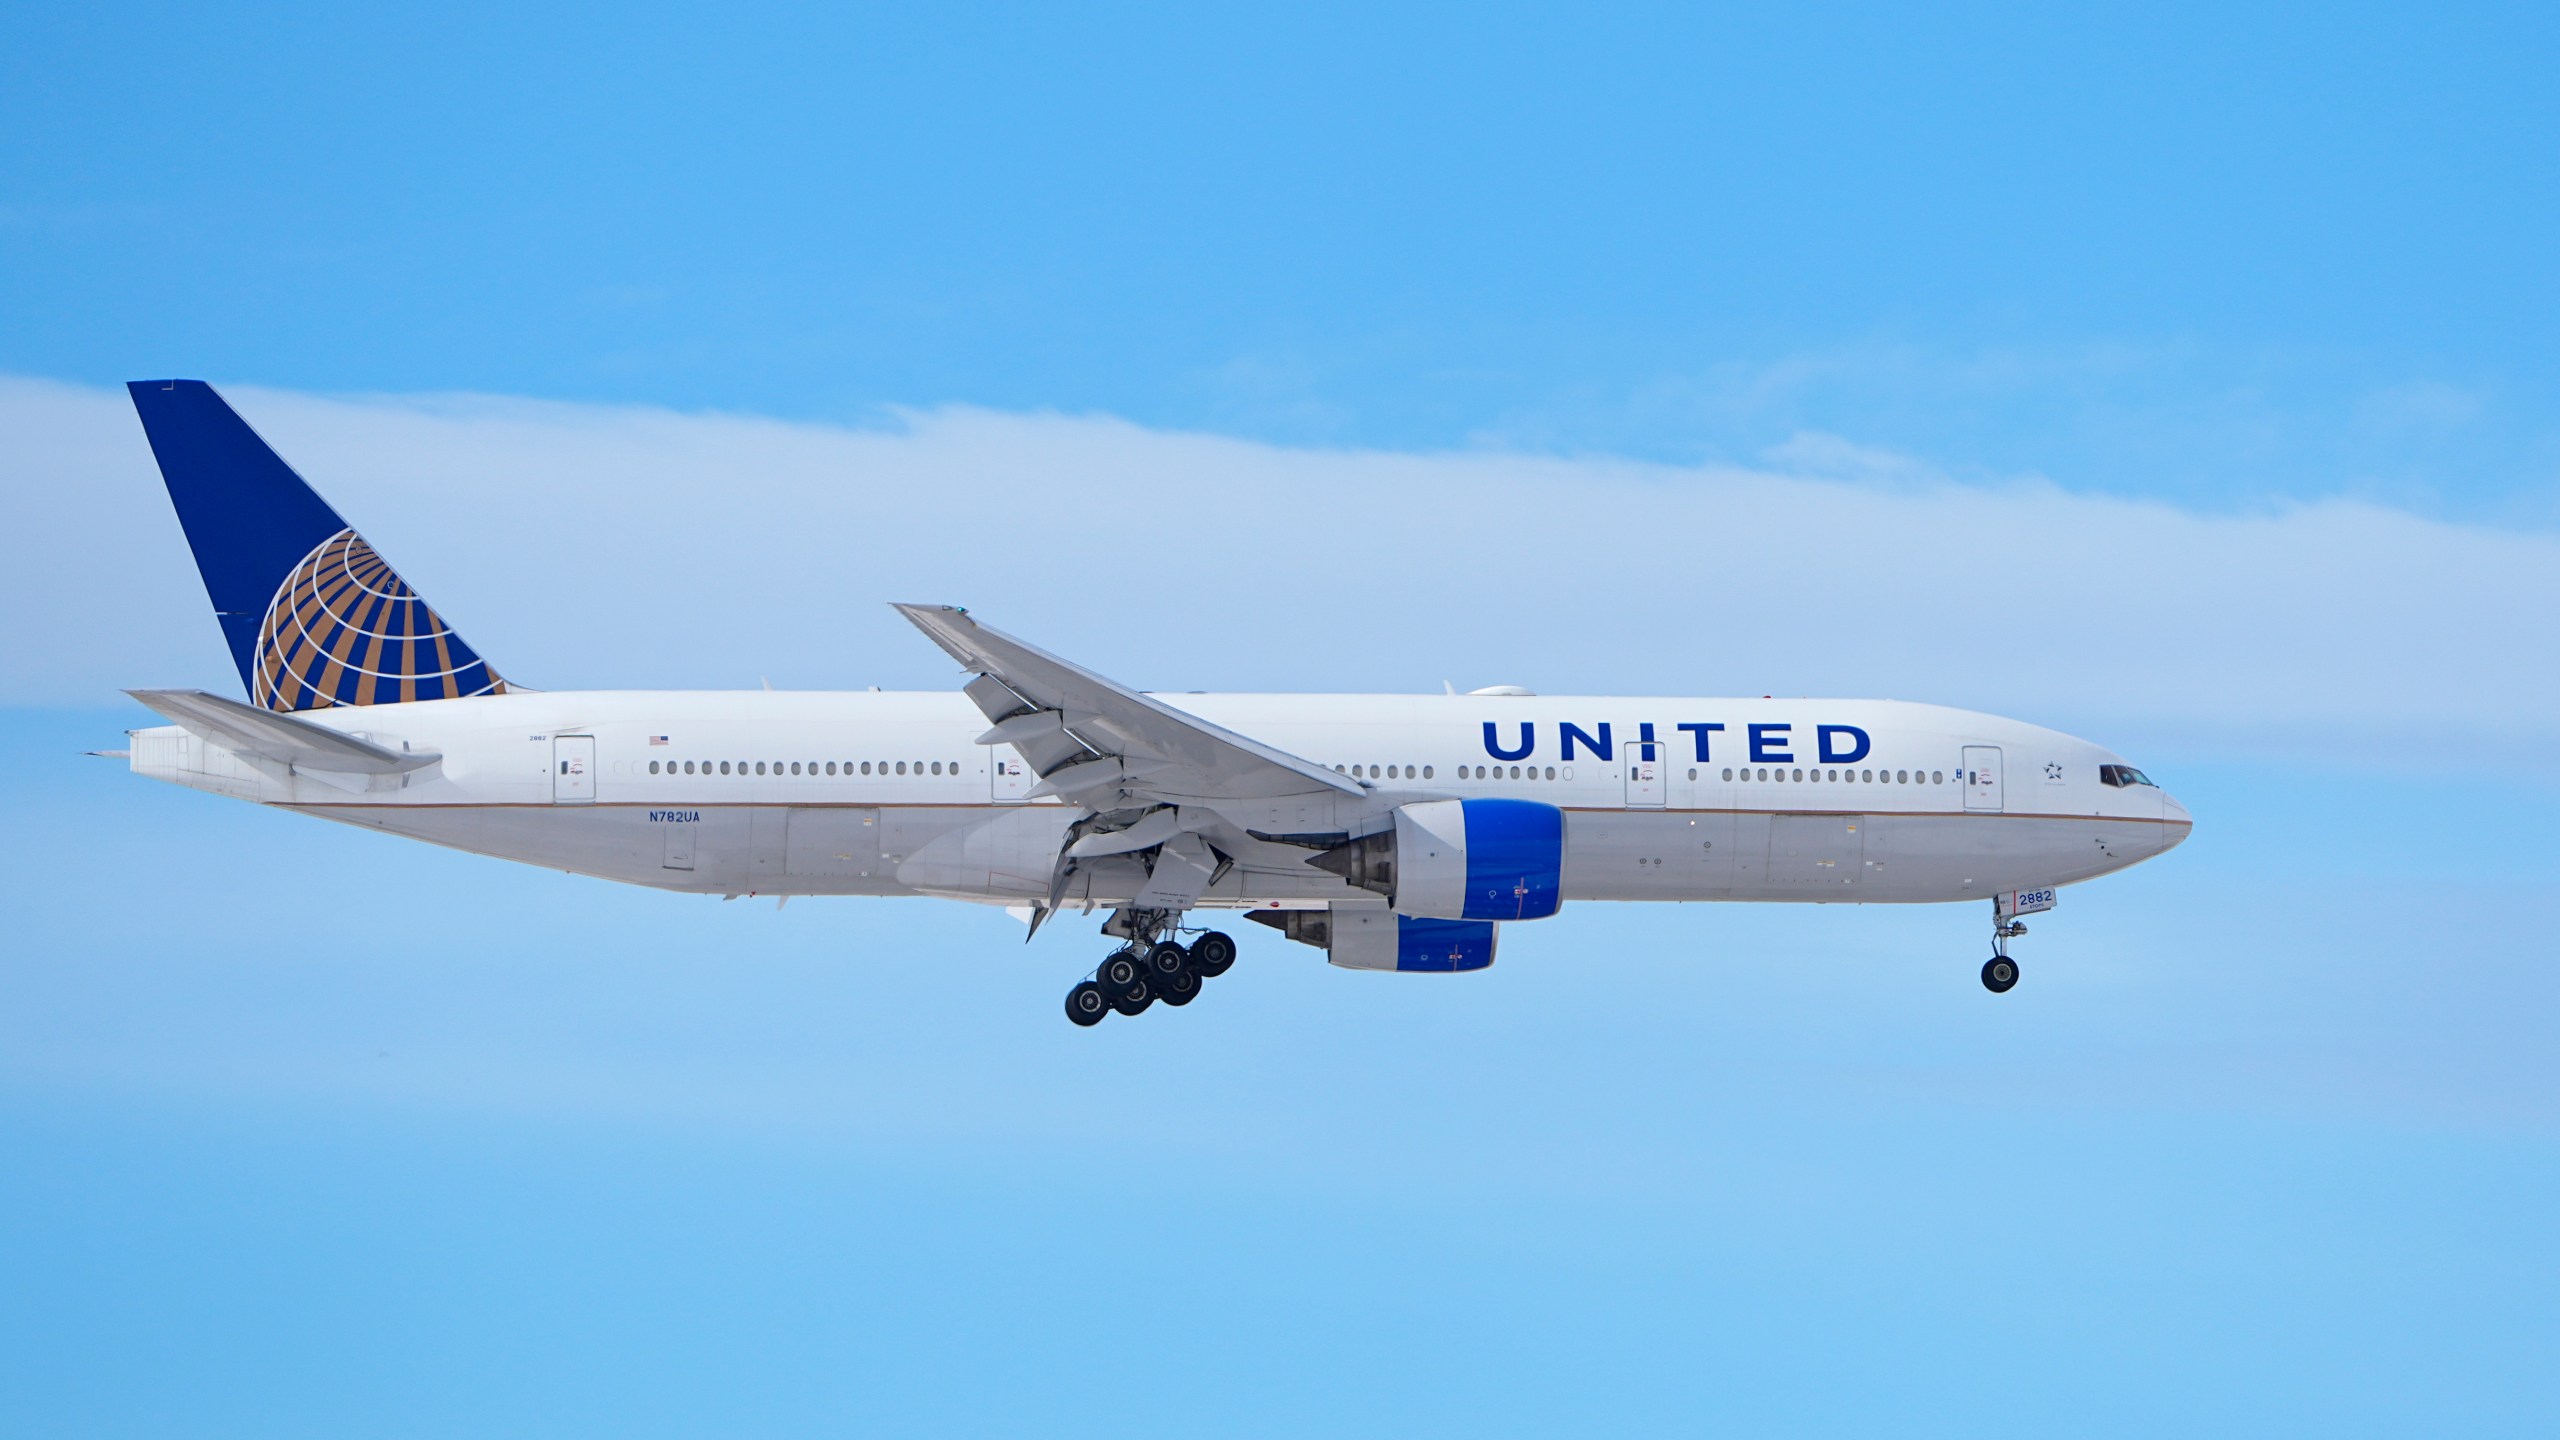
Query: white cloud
591	545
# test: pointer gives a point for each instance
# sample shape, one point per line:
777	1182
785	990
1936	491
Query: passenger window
1551	772
1728	774
1937	778
1426	772
1799	776
902	767
1693	772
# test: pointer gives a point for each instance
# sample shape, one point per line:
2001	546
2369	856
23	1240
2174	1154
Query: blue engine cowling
1362	938
1462	860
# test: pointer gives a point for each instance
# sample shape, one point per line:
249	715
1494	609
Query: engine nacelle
1371	937
1462	860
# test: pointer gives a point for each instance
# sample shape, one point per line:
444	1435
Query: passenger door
573	769
1007	776
1644	768
1982	777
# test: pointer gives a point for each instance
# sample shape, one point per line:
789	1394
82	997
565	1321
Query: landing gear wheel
1999	974
1121	974
1211	954
1086	1004
1136	1001
1179	988
1166	960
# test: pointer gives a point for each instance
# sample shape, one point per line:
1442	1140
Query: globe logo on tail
345	629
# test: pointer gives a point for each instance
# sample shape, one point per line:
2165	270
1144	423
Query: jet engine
1461	860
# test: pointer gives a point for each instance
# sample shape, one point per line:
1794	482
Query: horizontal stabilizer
282	739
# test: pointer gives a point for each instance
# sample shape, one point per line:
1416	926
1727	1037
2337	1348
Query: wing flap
1105	736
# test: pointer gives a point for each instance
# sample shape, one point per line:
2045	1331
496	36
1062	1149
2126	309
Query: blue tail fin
315	618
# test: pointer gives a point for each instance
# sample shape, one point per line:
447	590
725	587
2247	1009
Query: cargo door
679	844
834	842
1819	854
1982	777
573	769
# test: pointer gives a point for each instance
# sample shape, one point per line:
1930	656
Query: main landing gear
1147	970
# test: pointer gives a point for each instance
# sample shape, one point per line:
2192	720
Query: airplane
1391	832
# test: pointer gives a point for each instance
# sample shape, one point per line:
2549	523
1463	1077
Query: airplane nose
2176	823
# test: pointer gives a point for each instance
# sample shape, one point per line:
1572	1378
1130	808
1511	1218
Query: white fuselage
872	793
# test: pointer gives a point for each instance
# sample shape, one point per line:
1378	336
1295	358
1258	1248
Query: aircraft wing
280	738
1103	745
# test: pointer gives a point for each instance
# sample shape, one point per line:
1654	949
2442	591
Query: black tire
1166	960
1086	1004
1122	974
1179	988
1135	1002
1999	974
1211	954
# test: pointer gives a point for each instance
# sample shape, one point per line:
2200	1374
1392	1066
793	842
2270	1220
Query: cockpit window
2123	775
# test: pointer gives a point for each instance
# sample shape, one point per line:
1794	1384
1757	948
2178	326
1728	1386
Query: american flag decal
657	739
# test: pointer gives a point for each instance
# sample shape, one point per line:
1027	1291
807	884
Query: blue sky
2176	375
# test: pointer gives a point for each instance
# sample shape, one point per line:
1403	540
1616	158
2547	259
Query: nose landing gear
2000	973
